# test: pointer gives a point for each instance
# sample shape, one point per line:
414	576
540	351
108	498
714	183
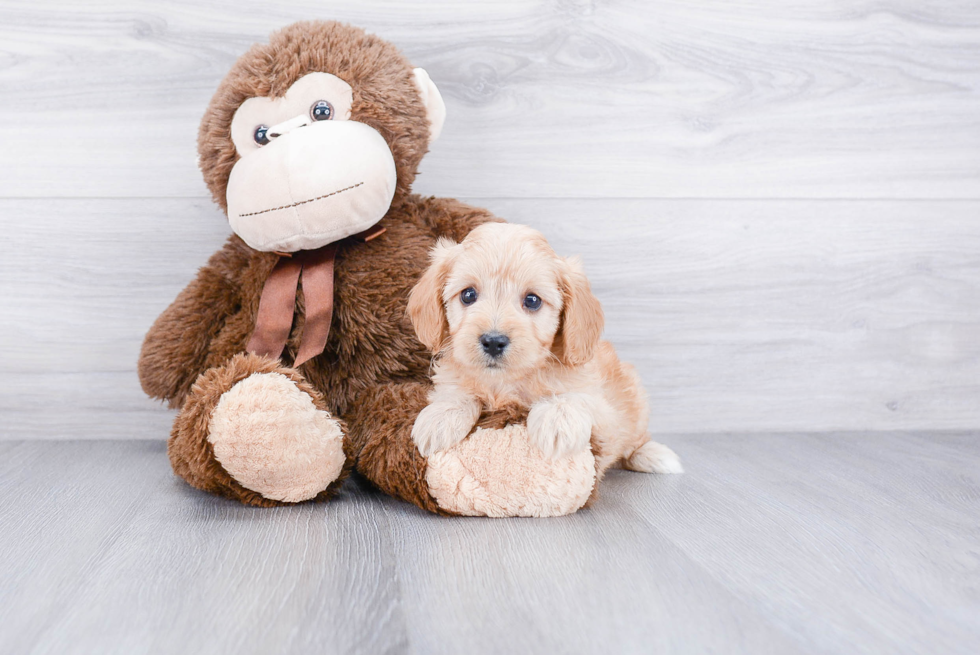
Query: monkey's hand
176	348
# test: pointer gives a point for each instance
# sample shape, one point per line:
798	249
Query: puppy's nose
494	343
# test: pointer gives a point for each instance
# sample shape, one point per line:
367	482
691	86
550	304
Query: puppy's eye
321	111
261	135
468	296
532	302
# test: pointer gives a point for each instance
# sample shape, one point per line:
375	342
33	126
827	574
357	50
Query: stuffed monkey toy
291	356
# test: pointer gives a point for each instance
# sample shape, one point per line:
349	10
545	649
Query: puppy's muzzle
494	344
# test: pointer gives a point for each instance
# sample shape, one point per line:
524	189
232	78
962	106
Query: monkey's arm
175	350
448	217
494	472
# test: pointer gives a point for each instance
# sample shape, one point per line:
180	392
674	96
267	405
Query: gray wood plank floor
770	543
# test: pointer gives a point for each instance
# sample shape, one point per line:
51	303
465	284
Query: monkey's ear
435	108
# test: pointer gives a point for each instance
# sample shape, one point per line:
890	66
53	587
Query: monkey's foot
271	438
267	437
498	472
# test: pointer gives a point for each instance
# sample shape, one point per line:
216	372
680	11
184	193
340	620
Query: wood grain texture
109	569
740	315
801	98
896	549
789	543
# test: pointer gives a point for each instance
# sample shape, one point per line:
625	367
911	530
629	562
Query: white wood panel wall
778	202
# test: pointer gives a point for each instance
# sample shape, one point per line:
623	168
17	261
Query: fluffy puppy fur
512	323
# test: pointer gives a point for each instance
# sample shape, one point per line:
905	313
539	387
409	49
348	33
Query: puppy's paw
559	427
441	425
653	457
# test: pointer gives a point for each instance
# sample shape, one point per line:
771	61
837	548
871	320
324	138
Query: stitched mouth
301	202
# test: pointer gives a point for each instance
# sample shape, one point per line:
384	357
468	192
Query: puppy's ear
582	320
425	307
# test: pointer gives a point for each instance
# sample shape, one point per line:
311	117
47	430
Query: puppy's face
503	304
502	300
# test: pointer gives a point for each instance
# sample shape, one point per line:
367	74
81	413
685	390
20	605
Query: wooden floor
790	543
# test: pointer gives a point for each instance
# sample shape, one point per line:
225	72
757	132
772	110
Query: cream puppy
512	323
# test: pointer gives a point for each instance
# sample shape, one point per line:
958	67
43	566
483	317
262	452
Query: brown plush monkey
291	356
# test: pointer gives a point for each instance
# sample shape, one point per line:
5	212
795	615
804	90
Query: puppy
512	323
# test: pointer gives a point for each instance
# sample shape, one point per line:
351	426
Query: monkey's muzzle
311	186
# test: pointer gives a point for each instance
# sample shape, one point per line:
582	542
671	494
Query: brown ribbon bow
278	301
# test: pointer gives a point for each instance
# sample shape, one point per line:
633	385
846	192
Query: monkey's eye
532	302
321	111
468	296
262	135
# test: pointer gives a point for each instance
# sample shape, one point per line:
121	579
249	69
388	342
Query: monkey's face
307	174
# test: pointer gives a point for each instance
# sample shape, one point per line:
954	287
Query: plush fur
509	477
385	95
191	452
371	339
268	434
